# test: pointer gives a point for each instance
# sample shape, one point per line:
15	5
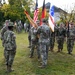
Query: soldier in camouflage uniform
3	30
44	34
52	41
9	46
29	36
61	34
34	41
70	38
38	49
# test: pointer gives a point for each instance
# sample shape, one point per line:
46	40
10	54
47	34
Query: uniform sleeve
3	30
39	30
13	36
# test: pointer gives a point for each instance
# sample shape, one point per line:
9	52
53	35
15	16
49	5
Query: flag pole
29	18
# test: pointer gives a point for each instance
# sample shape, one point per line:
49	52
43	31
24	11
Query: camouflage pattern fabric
9	56
3	30
52	40
44	34
9	47
70	45
9	40
61	33
29	37
70	40
34	41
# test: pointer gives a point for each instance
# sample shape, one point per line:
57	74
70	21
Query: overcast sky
64	4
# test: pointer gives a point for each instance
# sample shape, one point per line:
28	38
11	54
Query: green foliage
1	18
58	63
14	10
68	17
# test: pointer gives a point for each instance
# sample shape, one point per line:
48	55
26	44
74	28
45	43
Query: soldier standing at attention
38	50
29	35
34	40
61	34
52	41
44	34
9	46
4	29
70	38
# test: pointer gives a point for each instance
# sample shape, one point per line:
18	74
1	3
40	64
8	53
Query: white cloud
64	4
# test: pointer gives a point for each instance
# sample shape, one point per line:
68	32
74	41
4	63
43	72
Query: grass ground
58	63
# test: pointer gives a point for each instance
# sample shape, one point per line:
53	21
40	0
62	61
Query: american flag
36	12
51	17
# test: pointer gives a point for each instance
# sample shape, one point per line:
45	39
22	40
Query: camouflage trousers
60	42
70	44
29	39
52	41
9	56
44	53
34	44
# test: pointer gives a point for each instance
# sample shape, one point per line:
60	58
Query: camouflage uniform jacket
71	33
3	30
9	40
44	34
33	34
61	32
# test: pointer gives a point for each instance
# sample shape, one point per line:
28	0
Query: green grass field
58	63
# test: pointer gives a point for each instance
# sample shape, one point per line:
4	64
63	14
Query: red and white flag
51	18
36	12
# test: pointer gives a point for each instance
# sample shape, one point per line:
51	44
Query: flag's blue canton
52	11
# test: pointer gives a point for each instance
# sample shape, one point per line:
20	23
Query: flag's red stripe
35	15
51	19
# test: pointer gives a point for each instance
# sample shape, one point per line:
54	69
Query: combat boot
9	69
30	56
70	53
